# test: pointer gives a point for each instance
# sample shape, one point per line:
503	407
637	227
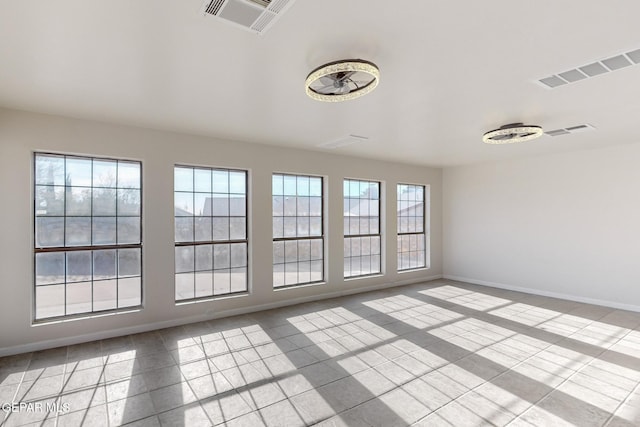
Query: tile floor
439	353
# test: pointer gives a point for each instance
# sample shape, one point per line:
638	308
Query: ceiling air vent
256	16
571	129
593	69
343	141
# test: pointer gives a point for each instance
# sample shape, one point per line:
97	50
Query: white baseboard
576	298
77	339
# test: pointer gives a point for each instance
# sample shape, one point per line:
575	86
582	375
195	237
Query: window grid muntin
315	194
212	241
411	245
353	191
66	249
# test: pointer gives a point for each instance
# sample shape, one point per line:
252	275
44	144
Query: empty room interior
334	213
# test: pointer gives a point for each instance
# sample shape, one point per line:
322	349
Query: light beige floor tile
171	397
185	416
225	407
130	409
281	414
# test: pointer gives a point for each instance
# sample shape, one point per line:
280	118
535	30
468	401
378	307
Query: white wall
23	133
564	225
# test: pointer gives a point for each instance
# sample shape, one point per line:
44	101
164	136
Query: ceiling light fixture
514	132
342	80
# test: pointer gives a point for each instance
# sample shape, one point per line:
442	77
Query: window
88	244
210	208
361	228
298	235
411	227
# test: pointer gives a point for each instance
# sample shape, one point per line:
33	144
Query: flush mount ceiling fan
514	132
342	80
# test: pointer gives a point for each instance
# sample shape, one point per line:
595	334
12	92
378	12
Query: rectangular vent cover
344	141
597	68
256	16
570	129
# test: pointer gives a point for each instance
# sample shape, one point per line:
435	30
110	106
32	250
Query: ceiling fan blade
343	89
325	90
345	76
327	80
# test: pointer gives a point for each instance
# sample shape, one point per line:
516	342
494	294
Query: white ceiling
450	70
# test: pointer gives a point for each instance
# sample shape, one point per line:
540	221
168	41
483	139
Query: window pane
49	232
315	187
237	182
183	204
303	227
105	295
104	264
128	230
220	181
221	282
303	206
316	271
203	284
238	255
202	179
183	179
185	261
278	252
237	206
49	268
79	297
238	279
105	173
220	228
184	229
203	229
315	206
79	266
128	262
278	275
78	172
278	227
238	229
220	205
104	202
303	185
221	257
291	251
129	292
78	200
290	185
185	284
316	249
104	230
50	170
290	206
315	226
78	231
128	175
128	202
49	301
202	204
203	257
50	200
277	185
290	227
